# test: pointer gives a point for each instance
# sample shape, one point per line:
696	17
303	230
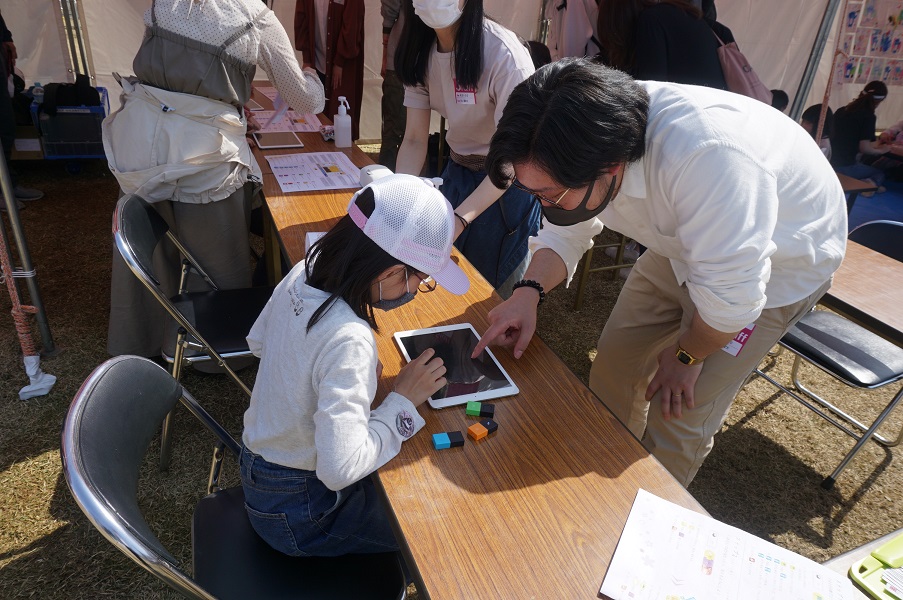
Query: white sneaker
27	194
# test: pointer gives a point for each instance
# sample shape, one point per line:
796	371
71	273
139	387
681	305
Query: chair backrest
137	229
885	237
107	431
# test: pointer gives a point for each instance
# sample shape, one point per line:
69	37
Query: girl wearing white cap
310	436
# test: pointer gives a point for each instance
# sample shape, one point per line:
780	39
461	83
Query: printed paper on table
291	121
670	552
314	171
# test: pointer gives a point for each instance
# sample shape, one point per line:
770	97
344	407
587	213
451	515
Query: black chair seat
232	561
223	317
846	349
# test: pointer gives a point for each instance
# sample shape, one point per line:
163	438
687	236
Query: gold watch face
685	357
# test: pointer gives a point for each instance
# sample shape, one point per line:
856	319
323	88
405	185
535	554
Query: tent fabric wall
40	41
775	35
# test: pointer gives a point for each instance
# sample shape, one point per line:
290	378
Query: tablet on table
277	139
469	379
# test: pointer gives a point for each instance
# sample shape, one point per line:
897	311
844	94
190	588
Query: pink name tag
734	346
464	96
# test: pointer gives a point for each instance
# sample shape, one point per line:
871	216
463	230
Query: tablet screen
277	139
468	378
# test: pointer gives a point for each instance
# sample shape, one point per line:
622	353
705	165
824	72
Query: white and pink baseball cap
414	223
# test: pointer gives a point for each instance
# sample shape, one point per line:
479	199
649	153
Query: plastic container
342	125
74	132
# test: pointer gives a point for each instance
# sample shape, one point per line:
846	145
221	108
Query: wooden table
866	289
533	511
853	187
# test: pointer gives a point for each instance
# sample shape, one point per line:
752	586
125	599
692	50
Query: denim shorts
296	514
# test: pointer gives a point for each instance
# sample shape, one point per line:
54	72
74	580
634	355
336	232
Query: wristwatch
687	358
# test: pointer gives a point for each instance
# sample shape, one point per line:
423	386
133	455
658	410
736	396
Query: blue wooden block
441	441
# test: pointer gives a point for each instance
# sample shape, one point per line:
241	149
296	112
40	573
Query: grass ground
763	475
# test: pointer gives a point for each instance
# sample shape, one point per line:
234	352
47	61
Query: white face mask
438	14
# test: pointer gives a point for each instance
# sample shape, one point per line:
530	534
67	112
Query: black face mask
565	217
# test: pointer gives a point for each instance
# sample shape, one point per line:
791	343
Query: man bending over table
744	219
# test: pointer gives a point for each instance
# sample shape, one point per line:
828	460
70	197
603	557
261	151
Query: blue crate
74	132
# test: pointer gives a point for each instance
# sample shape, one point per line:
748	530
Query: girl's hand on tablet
421	378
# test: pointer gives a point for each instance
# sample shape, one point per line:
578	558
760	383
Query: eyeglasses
425	283
540	197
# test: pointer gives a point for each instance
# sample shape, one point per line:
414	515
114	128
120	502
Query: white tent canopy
775	35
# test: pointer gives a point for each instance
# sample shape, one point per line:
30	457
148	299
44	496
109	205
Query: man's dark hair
572	118
412	57
813	114
779	99
345	263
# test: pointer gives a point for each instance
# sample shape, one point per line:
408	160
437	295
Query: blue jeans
496	241
862	171
296	514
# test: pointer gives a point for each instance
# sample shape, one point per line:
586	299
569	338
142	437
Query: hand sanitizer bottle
342	124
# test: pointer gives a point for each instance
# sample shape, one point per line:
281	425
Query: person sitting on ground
310	436
854	136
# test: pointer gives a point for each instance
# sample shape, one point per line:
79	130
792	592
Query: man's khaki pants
650	314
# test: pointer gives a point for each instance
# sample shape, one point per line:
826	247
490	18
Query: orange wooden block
477	431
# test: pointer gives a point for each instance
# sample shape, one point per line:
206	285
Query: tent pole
79	40
802	93
70	25
9	195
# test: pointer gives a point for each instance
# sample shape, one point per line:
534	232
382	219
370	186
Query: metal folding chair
105	436
207	326
849	353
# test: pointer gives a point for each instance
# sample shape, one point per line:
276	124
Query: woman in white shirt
454	60
179	142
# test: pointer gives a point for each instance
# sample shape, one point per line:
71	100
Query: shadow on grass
749	465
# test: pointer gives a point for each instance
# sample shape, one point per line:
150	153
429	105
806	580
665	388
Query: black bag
79	93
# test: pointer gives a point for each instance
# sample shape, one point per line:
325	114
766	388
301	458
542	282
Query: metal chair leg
828	482
584	277
797	384
216	466
166	431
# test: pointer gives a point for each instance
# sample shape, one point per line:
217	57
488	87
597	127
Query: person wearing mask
190	158
454	60
744	220
310	435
